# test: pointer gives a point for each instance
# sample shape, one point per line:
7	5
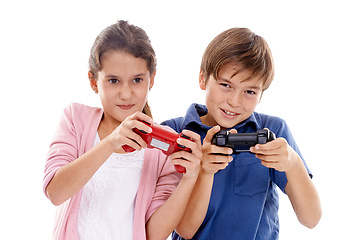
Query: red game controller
162	139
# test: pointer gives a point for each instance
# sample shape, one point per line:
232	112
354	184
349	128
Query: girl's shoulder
81	112
79	107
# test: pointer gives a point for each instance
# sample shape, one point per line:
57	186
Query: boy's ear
93	83
202	81
262	92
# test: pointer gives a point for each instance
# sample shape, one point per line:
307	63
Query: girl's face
230	99
123	85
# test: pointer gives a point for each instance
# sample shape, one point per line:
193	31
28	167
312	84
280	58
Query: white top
108	199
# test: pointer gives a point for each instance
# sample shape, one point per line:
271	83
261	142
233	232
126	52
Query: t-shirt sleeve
281	129
173	123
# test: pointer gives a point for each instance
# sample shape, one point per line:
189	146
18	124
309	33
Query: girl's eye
137	80
113	81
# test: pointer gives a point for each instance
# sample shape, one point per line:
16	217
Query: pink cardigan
74	136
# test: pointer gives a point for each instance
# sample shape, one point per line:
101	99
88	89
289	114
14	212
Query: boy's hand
190	160
277	154
215	158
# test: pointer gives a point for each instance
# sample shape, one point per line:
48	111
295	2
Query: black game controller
241	142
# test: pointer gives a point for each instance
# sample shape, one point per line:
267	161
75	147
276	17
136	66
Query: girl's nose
125	92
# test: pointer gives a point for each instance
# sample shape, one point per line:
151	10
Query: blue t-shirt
244	200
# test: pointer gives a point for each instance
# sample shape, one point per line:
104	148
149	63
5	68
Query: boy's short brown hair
240	47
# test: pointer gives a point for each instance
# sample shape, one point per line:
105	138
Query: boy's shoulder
174	123
273	123
265	119
192	114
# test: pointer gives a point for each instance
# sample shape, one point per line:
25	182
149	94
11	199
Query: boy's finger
272	145
216	150
210	134
220	159
233	130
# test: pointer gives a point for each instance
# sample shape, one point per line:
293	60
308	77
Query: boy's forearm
303	196
197	206
165	219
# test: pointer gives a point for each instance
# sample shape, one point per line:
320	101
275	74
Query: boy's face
230	99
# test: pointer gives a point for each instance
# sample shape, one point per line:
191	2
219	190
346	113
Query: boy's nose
234	100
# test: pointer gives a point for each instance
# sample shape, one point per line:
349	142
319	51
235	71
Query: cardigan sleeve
63	147
168	179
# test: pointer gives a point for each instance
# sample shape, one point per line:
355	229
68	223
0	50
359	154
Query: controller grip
180	168
128	149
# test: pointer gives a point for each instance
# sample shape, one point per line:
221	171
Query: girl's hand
215	158
190	160
277	154
124	134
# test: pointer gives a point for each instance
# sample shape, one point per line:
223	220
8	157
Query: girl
103	192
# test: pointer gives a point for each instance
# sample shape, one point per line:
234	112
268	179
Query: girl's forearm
165	219
70	178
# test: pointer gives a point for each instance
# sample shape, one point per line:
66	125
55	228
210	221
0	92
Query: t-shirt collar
195	111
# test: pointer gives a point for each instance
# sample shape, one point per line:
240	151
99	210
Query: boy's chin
227	125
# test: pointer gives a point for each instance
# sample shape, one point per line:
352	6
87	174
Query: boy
235	196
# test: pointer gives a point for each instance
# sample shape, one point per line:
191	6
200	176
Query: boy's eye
225	85
113	81
250	92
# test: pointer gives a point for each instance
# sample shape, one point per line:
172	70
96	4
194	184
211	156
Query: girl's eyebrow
140	75
111	76
115	76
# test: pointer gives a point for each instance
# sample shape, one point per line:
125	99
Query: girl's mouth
125	107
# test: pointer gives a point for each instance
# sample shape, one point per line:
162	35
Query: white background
44	49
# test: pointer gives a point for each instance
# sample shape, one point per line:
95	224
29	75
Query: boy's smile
231	98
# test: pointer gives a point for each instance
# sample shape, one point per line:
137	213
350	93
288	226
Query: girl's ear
93	83
202	81
152	80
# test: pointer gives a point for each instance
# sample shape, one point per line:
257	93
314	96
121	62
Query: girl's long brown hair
126	37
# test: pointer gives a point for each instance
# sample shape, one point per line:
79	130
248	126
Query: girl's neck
107	126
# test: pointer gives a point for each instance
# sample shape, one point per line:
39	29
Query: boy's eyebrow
255	87
228	81
223	79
